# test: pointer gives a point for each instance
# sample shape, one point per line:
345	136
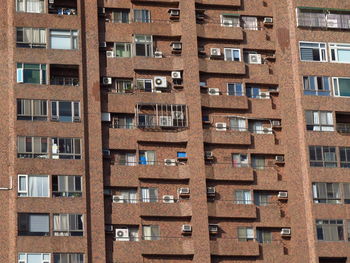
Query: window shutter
38	223
306	54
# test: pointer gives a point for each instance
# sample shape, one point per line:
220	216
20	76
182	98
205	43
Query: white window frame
144	82
336	87
232	51
25	9
26	191
42	257
226	17
57	102
144	42
31	42
72	35
335	47
20	73
320	51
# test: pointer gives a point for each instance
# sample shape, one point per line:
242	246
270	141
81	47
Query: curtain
130	159
145	195
346	187
147	233
155	233
39	223
38	186
250	22
35	6
133	234
247	197
239	197
150	157
133	196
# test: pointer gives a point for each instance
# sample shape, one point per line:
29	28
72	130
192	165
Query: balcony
222	67
64	75
220	2
63	7
224	102
228	247
219	32
226	209
228	173
227	137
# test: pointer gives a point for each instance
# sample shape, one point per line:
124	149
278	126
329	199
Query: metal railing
343	127
64	81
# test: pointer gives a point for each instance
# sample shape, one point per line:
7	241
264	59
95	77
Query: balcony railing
64	81
343	127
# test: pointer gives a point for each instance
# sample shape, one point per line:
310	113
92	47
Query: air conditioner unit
213	91
105	116
268	20
215	52
76	119
176	46
282	195
285	232
279	158
178	115
110	54
165	121
264	94
169	162
160	82
174	12
186	228
254	58
276	123
103	44
122	234
118	199
54	118
158	54
267	130
213	229
208	155
106	81
176	74
168	199
220	126
109	228
184	191
227	22
51	1
211	191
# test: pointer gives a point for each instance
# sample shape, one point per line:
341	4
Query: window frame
321	225
56	154
317	90
324	161
73	38
232	50
31	43
55	105
20	70
336	90
148	45
69	231
31	117
227	17
65	178
236	85
334	47
319	126
25	193
323	56
33	153
127	49
25	7
43	260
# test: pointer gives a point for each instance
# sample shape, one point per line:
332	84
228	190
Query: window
121	16
33	224
142	16
30	6
253	92
341	87
239	160
66	148
235	89
150	232
68	258
125	158
63	39
330	230
262	199
65	111
258	127
31	73
264	235
147	157
130	195
258	162
344	157
232	54
33	185
32	147
143	45
34	258
346	192
123	122
340	53
312	51
66	186
319	121
28	37
230	20
31	110
250	22
238	124
149	194
122	50
243	197
322	156
145	85
122	86
326	193
245	233
317	86
67	225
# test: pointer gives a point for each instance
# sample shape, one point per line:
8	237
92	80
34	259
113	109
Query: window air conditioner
220	126
267	130
168	199
213	229
208	155
165	121
110	54
254	58
184	191
176	46
210	190
103	44
174	12
264	94
186	229
76	119
54	118
158	54
268	20
118	199
213	91
282	195
109	228
279	158
215	52
122	234
276	123
227	22
106	81
285	232
176	74
169	162
160	82
105	116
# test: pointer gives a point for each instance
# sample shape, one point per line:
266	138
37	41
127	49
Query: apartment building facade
175	131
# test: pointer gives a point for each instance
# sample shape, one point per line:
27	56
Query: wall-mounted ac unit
158	54
213	91
169	162
276	123
168	199
268	20
211	191
174	12
122	234
184	191
213	229
110	54
165	121
208	155
279	158
285	232
118	199
221	126
105	116
282	195
264	95
254	58
76	119
215	52
186	229
176	74
160	82
106	81
177	46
